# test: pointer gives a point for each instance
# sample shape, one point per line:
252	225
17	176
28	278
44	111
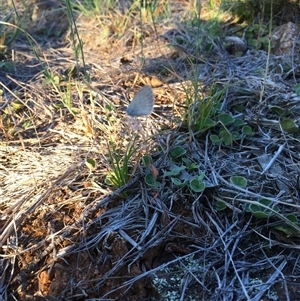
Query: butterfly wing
142	103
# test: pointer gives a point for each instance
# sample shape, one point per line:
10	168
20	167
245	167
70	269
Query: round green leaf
178	182
177	152
293	218
220	206
278	110
289	126
197	185
151	181
239	122
226	138
215	139
238	181
247	130
175	171
226	118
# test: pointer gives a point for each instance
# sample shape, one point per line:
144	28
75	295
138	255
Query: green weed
201	109
119	163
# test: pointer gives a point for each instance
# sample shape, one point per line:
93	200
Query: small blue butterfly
142	103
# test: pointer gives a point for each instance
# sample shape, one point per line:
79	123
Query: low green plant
177	152
220	205
286	124
264	209
201	109
289	126
119	163
228	129
257	36
183	173
65	93
150	177
192	178
287	228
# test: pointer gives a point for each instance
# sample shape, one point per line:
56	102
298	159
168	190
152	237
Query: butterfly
142	103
